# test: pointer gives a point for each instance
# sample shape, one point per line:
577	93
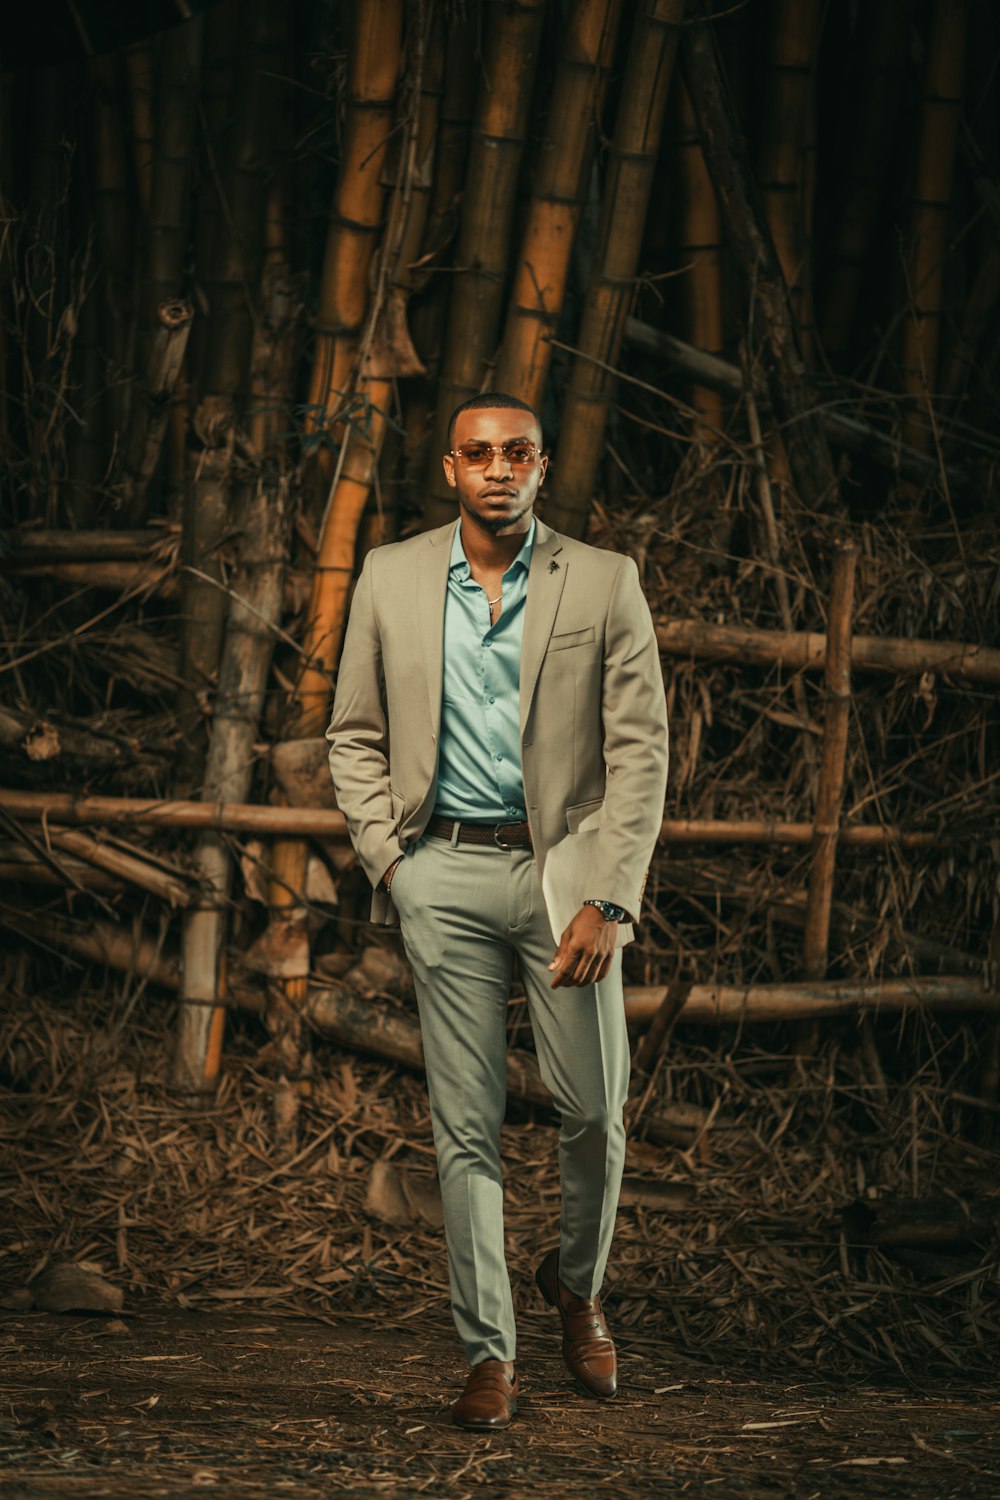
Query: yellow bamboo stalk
482	253
356	212
786	130
699	253
335	562
940	117
562	176
878	54
638	129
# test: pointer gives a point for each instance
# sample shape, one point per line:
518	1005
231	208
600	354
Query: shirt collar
460	562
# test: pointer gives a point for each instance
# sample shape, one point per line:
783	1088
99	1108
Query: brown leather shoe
588	1347
490	1396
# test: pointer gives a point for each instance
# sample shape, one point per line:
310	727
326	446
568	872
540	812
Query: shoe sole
487	1426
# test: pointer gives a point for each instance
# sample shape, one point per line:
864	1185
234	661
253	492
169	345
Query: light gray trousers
464	911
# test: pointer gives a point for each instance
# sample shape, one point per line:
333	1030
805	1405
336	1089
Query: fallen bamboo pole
743	645
726	1004
324	823
830	787
845	431
805	650
37	546
100	943
705	1004
126	866
18	867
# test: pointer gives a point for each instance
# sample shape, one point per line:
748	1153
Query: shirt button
487	643
493	700
499	757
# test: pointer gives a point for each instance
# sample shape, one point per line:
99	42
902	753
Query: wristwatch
608	910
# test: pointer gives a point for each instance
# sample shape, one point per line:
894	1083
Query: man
500	686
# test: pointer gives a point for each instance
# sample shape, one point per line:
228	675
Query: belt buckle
496	829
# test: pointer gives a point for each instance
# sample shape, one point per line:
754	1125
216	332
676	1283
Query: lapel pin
553	566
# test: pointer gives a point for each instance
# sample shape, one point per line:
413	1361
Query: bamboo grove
746	266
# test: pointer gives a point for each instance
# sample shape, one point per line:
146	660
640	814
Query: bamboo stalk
625	200
699	255
261	516
723	1004
877	59
940	115
113	297
705	1004
452	148
562	177
126	866
830	789
356	1023
321	823
38	546
791	398
100	942
787	107
19	867
237	253
482	254
151	410
142	83
356	211
806	650
41	740
176	118
763	487
847	432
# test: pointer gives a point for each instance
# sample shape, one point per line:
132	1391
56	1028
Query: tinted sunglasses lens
477	455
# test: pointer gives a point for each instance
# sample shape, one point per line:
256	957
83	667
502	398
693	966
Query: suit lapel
431	586
546	577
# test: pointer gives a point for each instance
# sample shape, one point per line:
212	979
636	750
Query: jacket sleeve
358	737
634	716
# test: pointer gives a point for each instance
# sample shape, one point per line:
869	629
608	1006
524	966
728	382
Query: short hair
486	402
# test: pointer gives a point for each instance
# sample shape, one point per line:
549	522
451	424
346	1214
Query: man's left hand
585	950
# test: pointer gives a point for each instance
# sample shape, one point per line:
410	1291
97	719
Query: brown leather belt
500	835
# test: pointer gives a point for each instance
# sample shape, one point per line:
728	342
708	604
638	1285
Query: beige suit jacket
593	715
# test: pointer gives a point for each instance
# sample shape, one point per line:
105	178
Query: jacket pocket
580	810
582	637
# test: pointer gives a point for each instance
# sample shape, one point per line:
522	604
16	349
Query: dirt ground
164	1402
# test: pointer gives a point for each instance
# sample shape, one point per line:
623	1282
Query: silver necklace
491	602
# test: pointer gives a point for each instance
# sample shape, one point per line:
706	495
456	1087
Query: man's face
496	495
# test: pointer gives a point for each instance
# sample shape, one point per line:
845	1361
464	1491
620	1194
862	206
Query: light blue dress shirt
479	765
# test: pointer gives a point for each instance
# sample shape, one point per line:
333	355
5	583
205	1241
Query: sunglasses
520	454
